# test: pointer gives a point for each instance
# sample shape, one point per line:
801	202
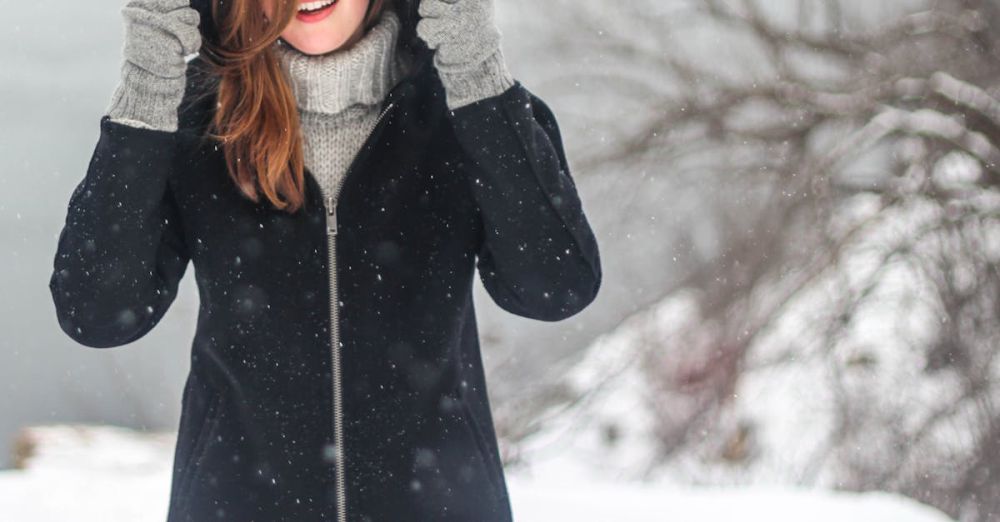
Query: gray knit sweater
338	94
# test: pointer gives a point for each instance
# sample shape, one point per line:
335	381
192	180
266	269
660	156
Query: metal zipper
338	401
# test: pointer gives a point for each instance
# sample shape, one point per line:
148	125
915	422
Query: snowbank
105	474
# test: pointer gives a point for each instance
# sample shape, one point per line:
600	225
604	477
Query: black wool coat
335	369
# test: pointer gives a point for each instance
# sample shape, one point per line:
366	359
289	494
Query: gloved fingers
433	8
188	16
158	42
433	31
462	33
181	24
462	20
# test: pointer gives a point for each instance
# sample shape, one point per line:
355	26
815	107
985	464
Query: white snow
106	474
547	500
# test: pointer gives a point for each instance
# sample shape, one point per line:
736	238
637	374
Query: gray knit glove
159	35
468	56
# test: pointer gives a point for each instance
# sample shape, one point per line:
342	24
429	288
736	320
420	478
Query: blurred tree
845	156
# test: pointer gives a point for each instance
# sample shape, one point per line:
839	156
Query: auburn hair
256	116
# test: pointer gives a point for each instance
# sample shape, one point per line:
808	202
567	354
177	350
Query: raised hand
159	36
462	31
467	53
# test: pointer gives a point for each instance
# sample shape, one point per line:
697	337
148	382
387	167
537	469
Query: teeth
312	6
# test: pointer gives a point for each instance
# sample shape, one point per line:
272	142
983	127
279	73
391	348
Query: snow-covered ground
115	475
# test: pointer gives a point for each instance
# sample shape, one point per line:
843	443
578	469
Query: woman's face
337	25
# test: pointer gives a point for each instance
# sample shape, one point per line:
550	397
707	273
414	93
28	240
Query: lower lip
316	16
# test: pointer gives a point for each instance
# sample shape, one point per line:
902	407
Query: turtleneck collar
359	75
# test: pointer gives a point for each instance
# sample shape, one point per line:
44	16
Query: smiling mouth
311	8
312	12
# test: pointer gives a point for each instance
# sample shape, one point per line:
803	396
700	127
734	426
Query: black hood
405	9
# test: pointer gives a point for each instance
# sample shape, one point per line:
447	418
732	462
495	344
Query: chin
318	49
315	46
323	37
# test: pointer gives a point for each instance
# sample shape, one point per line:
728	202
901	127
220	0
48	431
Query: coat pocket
451	478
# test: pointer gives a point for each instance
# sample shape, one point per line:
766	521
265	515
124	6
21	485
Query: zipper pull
331	214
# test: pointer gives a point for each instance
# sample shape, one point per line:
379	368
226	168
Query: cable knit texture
339	96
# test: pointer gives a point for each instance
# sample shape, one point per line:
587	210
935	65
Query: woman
335	177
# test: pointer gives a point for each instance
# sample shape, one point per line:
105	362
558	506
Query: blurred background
797	207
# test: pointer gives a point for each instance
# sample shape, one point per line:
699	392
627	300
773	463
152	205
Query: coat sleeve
537	255
121	253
